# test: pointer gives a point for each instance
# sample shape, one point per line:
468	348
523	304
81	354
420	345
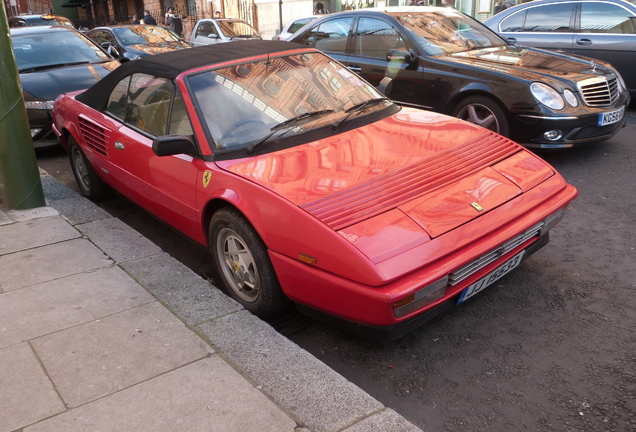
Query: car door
549	26
149	107
411	84
608	32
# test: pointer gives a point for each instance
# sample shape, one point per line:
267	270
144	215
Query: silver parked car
600	29
210	31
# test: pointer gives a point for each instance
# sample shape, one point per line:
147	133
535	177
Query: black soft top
171	64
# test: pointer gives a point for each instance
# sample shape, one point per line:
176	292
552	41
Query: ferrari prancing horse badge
206	178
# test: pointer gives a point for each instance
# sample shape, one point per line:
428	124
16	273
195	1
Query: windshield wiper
52	66
357	108
286	123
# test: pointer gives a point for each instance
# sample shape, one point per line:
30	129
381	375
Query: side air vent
95	136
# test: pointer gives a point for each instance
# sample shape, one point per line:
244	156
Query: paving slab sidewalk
95	335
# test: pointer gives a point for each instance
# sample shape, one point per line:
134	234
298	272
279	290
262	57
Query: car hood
415	173
50	83
528	63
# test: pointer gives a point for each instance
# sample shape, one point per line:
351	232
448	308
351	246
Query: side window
513	23
329	36
374	37
117	101
206	28
102	36
606	18
142	101
549	18
179	122
298	24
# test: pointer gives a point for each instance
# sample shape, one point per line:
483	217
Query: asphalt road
549	347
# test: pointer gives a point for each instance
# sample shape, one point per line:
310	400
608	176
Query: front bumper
397	330
529	130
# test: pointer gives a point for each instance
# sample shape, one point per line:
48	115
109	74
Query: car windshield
143	35
239	29
447	31
39	51
251	103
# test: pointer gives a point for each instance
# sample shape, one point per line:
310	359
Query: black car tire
242	267
89	183
484	112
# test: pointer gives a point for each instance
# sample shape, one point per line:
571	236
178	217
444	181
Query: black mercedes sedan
443	60
53	60
133	41
601	29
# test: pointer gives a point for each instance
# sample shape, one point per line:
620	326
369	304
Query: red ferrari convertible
310	187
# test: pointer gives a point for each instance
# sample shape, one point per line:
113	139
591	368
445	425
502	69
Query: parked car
309	186
211	31
445	61
293	26
39	20
133	41
601	29
51	61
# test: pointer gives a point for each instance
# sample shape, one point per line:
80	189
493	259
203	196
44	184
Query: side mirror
110	49
213	36
400	55
170	145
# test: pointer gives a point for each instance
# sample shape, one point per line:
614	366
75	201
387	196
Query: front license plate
608	118
491	277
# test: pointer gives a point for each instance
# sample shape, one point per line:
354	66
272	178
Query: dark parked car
132	41
443	60
601	29
52	61
211	31
39	20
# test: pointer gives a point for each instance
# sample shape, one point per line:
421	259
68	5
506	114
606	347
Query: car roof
494	20
16	31
387	10
171	64
222	19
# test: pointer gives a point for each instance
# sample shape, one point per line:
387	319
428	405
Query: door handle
583	42
512	41
356	69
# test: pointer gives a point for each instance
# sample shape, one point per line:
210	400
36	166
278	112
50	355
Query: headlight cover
547	95
39	105
571	98
621	82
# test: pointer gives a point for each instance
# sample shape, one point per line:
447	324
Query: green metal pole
20	185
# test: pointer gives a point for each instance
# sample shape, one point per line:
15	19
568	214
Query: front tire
483	112
242	267
89	183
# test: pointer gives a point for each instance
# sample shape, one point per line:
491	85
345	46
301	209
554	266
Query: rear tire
483	112
242	266
89	183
